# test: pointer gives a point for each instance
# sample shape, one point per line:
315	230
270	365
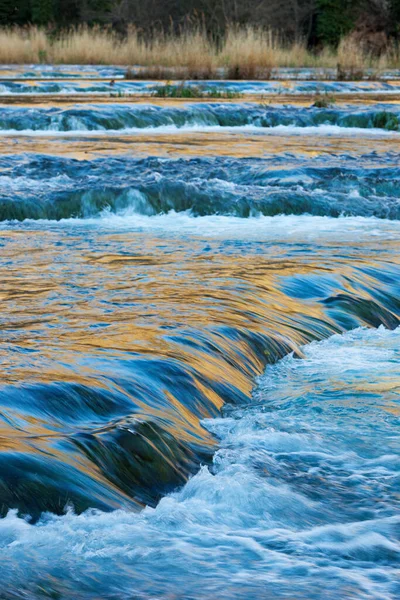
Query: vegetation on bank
324	100
318	22
192	91
244	53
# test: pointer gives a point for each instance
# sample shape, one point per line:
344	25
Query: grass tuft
386	120
191	91
324	100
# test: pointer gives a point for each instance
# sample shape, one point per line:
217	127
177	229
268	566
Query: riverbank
247	53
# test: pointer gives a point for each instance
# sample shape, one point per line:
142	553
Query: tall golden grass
246	52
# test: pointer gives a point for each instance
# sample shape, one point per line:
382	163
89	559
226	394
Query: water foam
299	502
279	130
207	118
226	186
286	228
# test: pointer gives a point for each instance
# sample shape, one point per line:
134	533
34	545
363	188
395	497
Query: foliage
14	12
324	100
318	22
67	12
386	120
42	11
191	91
335	19
395	15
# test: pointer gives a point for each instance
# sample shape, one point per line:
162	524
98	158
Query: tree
395	14
96	11
67	12
335	18
14	12
42	11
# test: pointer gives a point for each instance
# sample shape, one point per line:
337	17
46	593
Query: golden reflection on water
368	96
193	144
64	304
79	304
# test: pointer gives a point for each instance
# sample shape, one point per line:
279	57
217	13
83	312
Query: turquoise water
300	500
80	119
95	79
199	352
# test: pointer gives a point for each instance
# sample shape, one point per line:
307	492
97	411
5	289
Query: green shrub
335	19
191	91
324	100
386	120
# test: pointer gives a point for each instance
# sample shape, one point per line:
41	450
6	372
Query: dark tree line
320	22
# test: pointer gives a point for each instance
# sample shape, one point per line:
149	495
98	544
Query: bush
335	19
191	91
386	120
324	100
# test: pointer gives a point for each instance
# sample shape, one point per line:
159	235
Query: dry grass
247	53
22	45
191	50
85	46
352	60
253	53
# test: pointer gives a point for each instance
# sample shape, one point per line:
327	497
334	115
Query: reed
23	45
246	53
85	46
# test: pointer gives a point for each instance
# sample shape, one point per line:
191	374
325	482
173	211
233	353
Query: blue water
81	118
367	186
43	71
300	501
71	80
199	352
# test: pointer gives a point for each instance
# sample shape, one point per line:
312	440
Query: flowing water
199	350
